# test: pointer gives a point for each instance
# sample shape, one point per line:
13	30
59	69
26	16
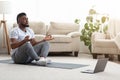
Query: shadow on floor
61	54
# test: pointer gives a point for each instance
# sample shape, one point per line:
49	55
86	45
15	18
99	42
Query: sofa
66	35
105	44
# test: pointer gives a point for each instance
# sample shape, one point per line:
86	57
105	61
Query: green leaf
92	11
105	28
103	19
77	21
83	31
91	26
86	26
89	19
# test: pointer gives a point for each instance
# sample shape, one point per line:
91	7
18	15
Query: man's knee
46	43
26	45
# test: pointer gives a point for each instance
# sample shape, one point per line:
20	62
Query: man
25	48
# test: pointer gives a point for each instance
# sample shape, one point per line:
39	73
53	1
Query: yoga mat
51	65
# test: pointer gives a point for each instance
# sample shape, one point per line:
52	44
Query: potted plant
92	25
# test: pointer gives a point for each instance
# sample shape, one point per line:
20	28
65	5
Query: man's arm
15	43
47	38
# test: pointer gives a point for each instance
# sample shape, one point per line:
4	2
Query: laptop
100	66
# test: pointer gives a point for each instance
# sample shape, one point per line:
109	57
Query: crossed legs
27	53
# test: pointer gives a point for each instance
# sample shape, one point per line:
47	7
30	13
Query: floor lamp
5	9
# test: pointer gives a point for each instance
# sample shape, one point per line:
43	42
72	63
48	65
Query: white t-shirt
18	34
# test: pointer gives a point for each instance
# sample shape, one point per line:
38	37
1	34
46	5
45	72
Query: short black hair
20	15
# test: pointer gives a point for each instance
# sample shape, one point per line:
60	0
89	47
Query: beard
25	25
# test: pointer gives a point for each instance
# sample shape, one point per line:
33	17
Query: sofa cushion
39	37
38	27
74	34
105	43
62	28
61	39
57	38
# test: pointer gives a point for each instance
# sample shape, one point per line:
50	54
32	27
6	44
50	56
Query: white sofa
66	35
105	44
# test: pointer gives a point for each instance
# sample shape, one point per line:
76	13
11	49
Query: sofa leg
110	56
118	57
94	56
106	55
76	54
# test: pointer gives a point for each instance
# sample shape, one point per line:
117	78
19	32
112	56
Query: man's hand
48	37
27	39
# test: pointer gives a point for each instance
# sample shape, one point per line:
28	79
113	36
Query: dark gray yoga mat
52	65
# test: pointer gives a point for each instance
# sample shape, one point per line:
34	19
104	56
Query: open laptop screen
100	66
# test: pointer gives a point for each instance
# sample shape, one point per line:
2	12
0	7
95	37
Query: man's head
22	19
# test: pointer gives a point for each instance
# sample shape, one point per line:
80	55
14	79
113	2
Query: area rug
51	65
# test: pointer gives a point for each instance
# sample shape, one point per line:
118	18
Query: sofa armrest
96	36
74	34
117	40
